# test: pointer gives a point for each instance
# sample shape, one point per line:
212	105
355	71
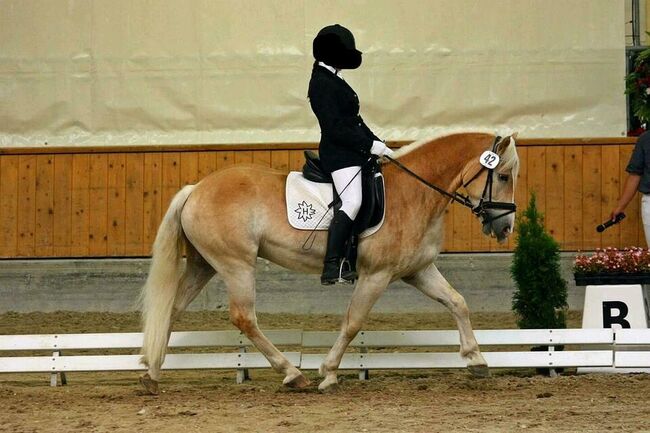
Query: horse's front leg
431	282
366	293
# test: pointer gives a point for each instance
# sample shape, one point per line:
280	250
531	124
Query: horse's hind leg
366	293
431	282
239	277
195	276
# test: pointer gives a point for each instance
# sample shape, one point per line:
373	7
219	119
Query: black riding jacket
345	138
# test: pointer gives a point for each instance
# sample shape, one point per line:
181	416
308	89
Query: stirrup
351	276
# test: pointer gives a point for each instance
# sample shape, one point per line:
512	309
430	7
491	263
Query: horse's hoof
150	385
330	384
297	381
480	371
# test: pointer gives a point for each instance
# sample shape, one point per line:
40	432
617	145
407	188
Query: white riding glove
379	148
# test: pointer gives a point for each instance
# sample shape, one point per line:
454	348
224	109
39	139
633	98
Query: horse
233	216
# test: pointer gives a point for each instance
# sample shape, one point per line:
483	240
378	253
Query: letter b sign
615	312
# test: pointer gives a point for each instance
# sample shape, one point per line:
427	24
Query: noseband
485	204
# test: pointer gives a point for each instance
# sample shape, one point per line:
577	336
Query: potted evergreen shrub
540	298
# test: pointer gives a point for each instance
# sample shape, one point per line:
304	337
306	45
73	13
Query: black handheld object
601	228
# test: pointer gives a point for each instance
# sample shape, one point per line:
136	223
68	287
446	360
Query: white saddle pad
307	203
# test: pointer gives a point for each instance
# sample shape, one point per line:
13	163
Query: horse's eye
503	177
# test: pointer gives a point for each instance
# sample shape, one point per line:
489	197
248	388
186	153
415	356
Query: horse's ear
504	143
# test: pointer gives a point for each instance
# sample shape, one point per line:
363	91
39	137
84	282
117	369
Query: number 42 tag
489	159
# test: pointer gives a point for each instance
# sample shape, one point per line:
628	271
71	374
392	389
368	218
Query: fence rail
594	348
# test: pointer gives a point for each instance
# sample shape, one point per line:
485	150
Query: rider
346	142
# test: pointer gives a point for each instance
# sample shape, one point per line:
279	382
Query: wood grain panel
296	160
189	168
62	230
537	175
225	159
98	205
134	208
9	196
111	203
116	204
207	164
573	182
80	223
43	239
244	157
609	194
280	160
591	197
262	157
152	203
26	210
171	179
554	215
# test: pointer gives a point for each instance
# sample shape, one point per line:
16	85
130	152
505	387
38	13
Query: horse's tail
159	292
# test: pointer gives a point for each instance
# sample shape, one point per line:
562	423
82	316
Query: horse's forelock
509	157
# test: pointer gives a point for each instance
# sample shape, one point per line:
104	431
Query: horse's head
496	222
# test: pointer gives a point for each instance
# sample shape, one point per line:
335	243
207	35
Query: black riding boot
338	232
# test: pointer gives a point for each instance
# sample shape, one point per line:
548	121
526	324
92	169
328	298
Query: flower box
611	279
612	266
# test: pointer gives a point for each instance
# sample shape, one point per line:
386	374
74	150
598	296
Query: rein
485	204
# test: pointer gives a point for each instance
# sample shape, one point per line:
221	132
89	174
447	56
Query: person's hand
379	148
615	212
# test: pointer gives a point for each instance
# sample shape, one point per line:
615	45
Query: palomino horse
234	216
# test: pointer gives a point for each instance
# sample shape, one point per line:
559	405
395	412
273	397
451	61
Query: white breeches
645	216
352	193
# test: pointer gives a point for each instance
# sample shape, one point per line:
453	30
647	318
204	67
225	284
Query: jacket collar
331	69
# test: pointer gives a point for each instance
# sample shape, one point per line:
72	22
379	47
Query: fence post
55	376
242	373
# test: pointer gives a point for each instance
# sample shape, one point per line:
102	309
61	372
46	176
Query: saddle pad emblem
307	203
305	211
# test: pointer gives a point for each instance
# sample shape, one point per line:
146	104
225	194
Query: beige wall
100	72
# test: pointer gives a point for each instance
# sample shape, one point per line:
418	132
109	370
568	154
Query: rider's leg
347	182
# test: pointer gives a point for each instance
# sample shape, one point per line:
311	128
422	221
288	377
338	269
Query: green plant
637	86
540	299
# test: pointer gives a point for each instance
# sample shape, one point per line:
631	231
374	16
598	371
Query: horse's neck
441	163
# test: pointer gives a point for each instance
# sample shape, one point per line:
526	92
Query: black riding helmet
334	46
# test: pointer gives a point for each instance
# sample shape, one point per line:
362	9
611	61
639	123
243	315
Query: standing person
346	142
638	179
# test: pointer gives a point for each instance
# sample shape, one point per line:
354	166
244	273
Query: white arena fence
590	348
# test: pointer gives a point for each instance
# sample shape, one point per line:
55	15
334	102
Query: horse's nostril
507	230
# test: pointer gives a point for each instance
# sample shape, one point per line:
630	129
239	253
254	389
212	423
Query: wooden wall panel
80	223
592	214
97	204
62	230
151	197
44	226
134	205
573	194
609	192
9	188
116	200
26	210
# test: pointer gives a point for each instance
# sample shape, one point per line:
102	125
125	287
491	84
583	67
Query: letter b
609	319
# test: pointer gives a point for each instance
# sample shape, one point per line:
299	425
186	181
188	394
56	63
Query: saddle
372	206
372	209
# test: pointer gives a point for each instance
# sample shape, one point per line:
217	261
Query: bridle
484	205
